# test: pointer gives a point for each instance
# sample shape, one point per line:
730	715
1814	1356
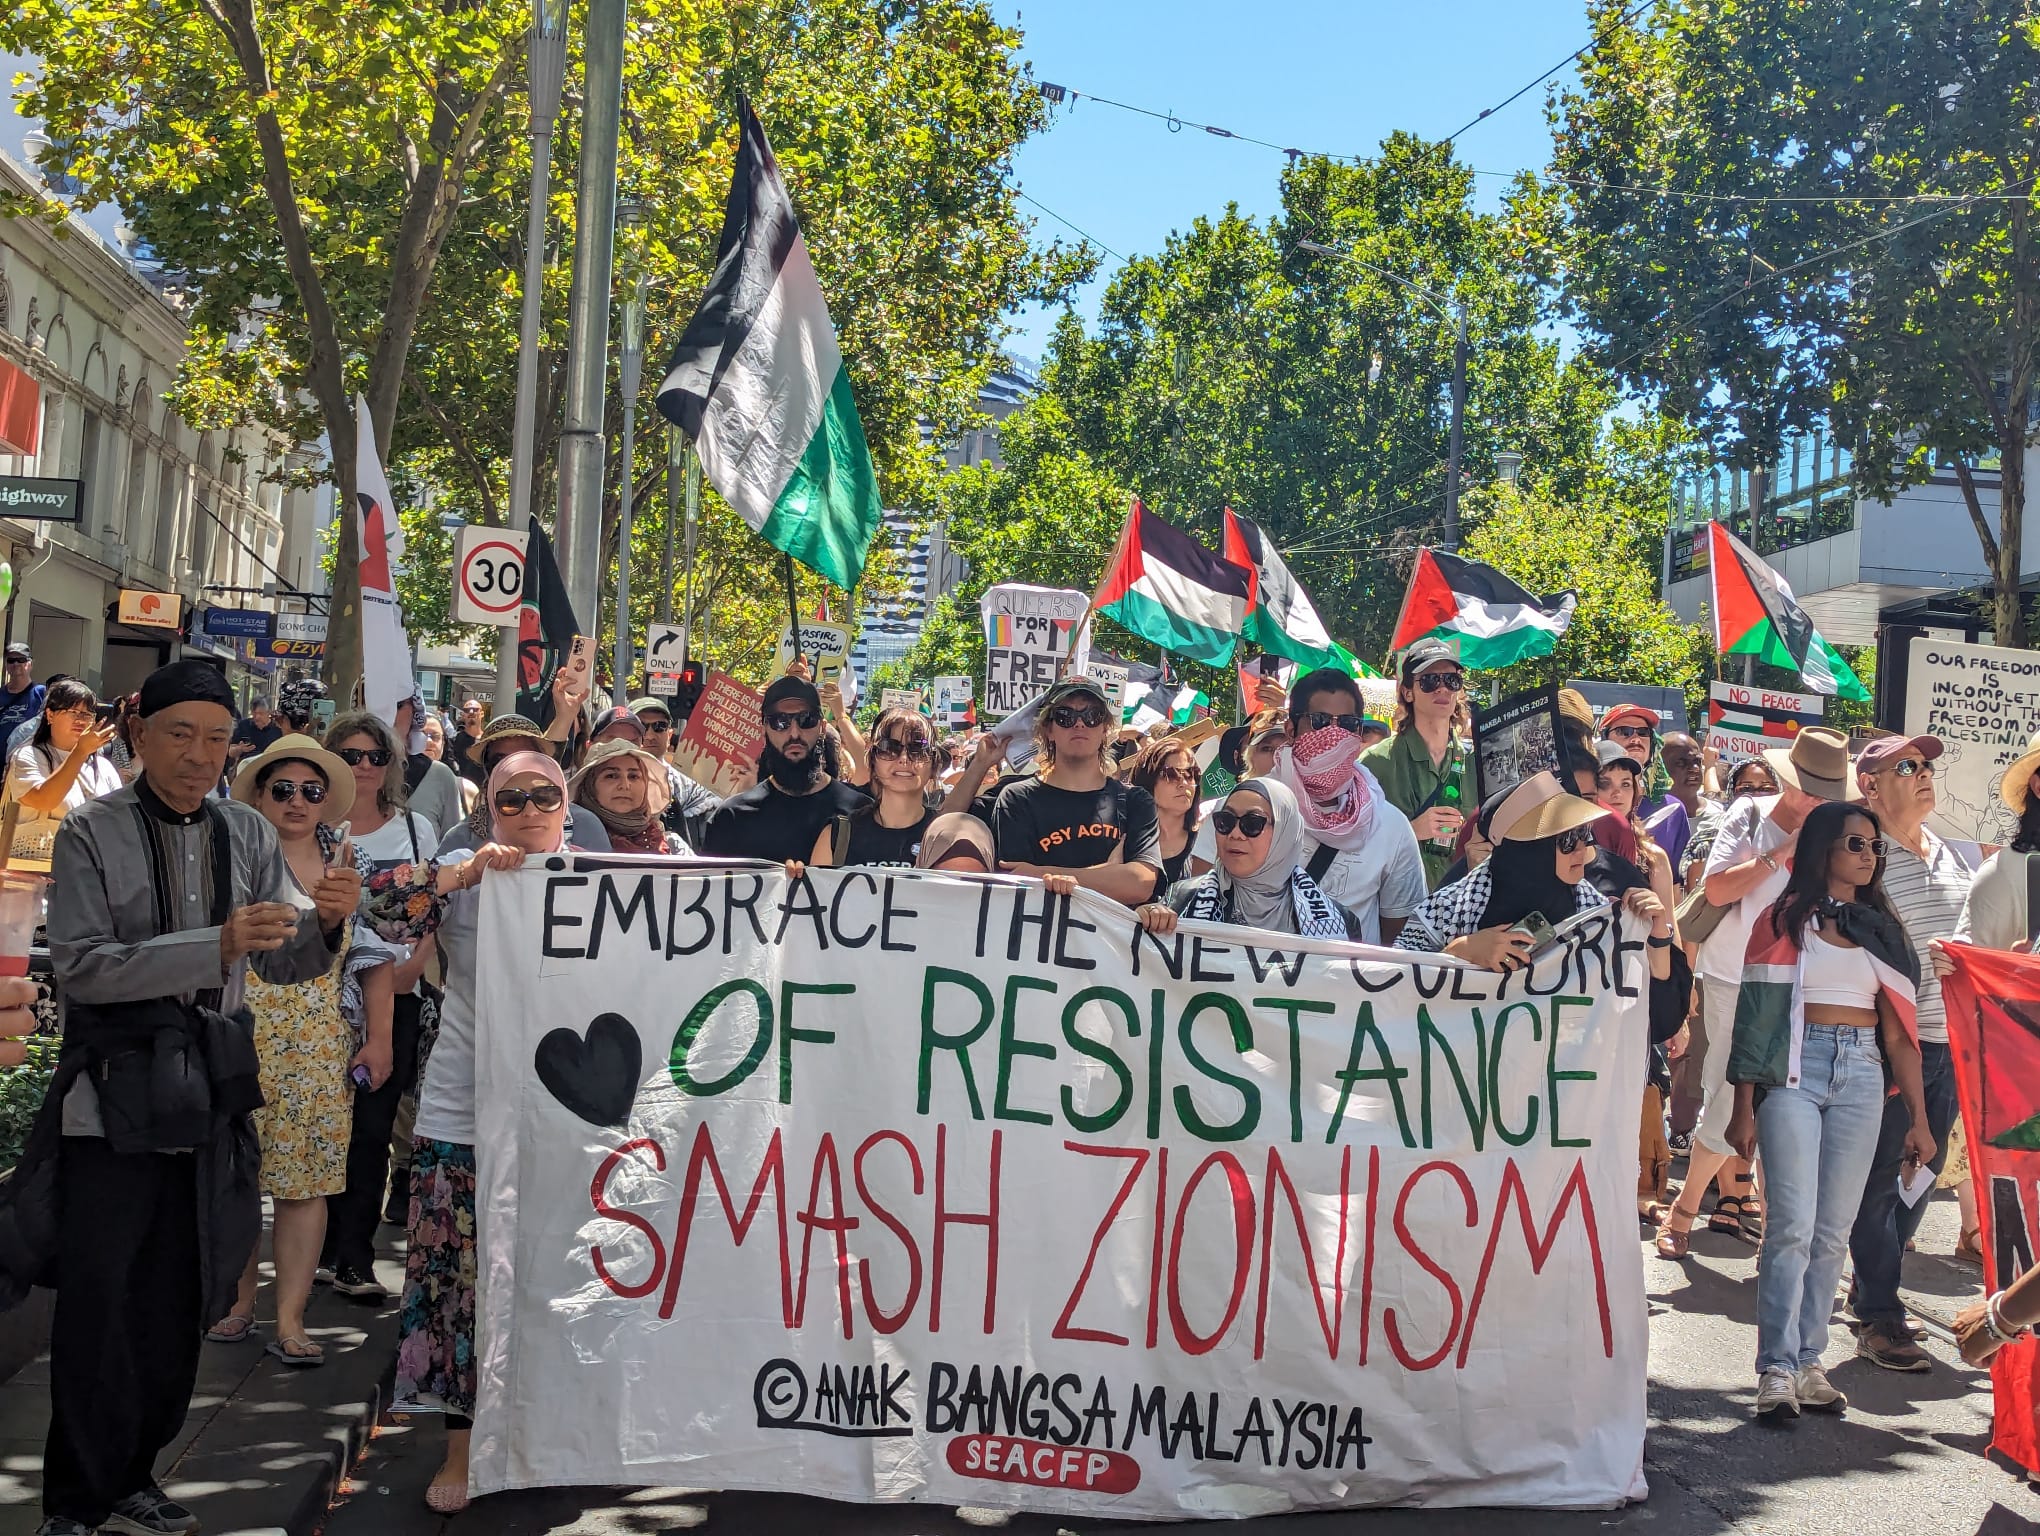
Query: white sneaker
1814	1390
1777	1396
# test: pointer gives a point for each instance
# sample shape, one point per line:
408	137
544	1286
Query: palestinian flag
1167	588
546	626
1280	618
1495	621
757	381
1756	615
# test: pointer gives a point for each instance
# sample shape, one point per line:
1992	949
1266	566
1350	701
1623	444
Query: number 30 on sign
488	566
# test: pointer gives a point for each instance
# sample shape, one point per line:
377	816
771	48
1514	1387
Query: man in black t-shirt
780	817
1076	816
254	734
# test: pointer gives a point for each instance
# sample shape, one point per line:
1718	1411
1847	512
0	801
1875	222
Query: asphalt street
1908	1459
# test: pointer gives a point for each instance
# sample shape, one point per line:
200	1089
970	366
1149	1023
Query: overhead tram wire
1482	116
1066	224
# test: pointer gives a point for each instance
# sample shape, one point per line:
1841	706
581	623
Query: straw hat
302	749
2015	787
1540	807
1817	763
501	726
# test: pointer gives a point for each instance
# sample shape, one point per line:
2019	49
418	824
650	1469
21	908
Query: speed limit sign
488	567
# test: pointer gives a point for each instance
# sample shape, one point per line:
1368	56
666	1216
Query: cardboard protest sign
719	746
1983	701
1028	633
826	647
1994	1034
899	698
953	703
1744	720
890	1185
1514	739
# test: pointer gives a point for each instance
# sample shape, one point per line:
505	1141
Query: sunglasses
1573	839
283	791
1913	767
1067	716
1431	682
1856	842
806	720
657	725
892	747
1317	720
1252	824
512	801
1180	775
1630	732
353	757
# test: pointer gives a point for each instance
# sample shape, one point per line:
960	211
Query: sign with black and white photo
28	499
1514	739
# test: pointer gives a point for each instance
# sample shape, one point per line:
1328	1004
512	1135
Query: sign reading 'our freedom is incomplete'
899	1186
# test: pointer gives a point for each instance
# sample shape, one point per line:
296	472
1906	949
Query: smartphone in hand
580	661
1538	926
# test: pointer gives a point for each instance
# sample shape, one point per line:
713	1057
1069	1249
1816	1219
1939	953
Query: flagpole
792	603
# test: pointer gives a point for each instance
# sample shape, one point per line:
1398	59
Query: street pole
672	524
693	527
1457	442
630	373
548	78
581	439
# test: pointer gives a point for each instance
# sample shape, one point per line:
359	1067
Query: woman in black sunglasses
888	831
385	826
1259	881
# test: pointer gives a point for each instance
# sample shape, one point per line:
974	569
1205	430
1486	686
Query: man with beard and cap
162	897
796	795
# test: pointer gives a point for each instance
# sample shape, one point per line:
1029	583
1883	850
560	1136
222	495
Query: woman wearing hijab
1259	882
960	843
527	798
626	789
1543	842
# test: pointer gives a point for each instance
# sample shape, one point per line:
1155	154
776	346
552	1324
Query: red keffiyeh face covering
1338	794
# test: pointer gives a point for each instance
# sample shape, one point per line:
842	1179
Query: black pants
352	1215
124	1344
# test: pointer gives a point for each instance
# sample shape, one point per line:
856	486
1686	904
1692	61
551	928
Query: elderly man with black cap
797	793
162	897
1927	884
1075	816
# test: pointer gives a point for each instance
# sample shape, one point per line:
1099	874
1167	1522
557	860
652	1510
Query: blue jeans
1817	1141
1886	1223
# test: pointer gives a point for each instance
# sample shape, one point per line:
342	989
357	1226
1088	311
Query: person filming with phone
62	766
1510	904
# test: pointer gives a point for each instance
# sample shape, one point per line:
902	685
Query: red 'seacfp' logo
1009	1459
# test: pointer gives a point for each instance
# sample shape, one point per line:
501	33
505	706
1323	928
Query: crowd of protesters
310	898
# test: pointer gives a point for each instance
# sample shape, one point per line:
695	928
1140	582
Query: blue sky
1332	76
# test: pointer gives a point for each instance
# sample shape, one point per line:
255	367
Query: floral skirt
436	1341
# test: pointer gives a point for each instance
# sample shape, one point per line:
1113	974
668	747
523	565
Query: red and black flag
546	627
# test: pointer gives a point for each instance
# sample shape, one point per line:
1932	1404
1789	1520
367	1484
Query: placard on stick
1516	738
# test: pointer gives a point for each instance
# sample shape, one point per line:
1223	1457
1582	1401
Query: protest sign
826	647
1027	640
953	697
900	698
1744	720
1514	739
1983	702
901	1186
719	746
1994	1035
1668	704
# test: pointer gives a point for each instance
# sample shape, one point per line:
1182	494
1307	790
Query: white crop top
1837	977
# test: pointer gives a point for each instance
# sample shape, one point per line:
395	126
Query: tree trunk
2009	609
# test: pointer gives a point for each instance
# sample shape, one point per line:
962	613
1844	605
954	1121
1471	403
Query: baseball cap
18	653
1886	750
1641	714
795	689
639	706
619	716
1059	691
1427	652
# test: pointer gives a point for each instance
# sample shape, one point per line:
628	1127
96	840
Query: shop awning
20	411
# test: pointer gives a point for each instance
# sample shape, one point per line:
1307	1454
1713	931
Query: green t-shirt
1413	784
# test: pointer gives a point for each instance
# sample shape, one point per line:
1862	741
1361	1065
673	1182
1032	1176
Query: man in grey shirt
137	918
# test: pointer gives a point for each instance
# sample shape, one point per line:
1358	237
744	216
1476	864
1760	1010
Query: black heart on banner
597	1076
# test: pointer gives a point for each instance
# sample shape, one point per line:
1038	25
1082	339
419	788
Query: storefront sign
298	637
149	610
239	623
895	1186
30	500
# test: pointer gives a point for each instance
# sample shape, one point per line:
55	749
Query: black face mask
794	776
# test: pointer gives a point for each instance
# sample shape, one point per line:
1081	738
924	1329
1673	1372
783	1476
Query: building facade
164	521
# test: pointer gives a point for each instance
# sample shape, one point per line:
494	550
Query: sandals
296	1351
1675	1242
1738	1215
231	1329
1970	1245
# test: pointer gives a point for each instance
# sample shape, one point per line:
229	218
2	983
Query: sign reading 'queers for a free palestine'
898	1186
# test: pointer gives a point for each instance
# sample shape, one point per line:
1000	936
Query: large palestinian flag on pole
1496	622
757	381
1756	615
1166	587
1280	617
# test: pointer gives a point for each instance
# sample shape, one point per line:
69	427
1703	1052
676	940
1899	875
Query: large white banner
1983	701
894	1186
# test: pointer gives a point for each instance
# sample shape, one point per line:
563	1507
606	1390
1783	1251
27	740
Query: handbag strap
1320	862
2033	898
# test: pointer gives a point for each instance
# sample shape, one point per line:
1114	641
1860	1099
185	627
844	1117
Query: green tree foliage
1774	213
345	187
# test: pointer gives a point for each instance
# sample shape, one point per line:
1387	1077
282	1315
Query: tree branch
463	449
1967	481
